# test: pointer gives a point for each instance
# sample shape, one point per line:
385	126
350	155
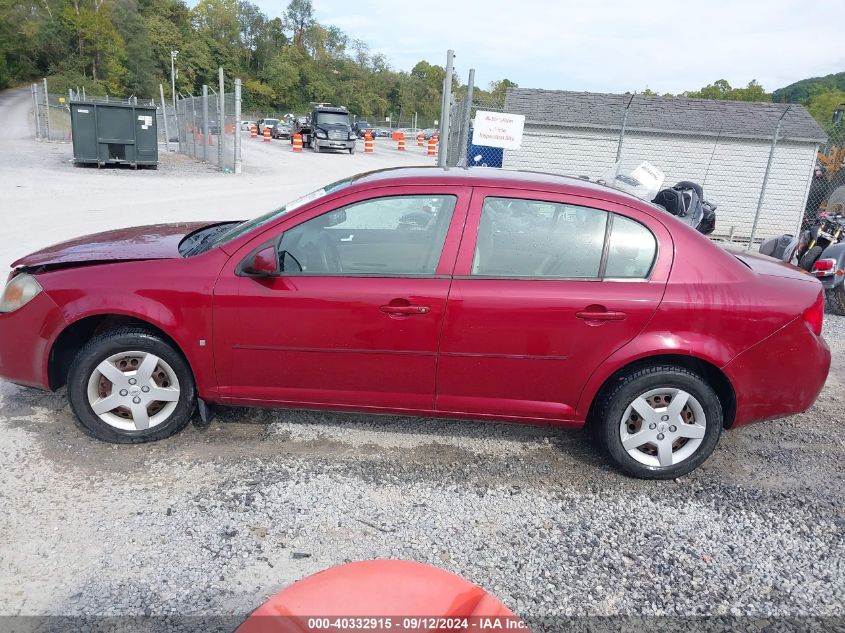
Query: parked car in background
246	125
266	124
360	126
429	132
281	130
488	294
381	132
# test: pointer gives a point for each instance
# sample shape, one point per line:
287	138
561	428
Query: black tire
836	299
809	258
615	399
101	347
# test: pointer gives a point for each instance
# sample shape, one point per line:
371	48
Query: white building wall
731	171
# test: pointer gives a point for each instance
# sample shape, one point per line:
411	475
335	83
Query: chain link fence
756	161
461	151
208	127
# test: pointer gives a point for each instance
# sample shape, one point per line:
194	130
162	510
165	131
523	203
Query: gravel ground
212	522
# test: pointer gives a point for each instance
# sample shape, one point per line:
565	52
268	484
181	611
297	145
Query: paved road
16	114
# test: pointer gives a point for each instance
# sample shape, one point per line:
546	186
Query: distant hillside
801	91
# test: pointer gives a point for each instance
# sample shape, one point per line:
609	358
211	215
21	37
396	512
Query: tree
498	89
721	89
298	18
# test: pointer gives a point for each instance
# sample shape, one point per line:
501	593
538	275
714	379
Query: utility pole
173	55
445	111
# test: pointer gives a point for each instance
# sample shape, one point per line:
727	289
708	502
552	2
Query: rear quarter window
632	249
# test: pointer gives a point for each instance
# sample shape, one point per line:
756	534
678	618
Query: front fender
174	296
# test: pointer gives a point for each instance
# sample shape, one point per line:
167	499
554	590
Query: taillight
824	267
814	315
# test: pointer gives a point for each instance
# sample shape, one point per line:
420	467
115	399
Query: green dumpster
116	133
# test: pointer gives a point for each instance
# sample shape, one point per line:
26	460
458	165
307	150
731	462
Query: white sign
497	129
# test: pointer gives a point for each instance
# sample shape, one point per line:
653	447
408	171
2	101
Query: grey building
723	145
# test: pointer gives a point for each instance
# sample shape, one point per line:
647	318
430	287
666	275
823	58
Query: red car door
355	316
546	287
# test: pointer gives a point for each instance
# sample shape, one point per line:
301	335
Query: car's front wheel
659	422
128	385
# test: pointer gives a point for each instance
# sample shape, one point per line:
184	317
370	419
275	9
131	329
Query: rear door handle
596	315
405	310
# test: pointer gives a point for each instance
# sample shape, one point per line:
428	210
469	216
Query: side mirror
262	263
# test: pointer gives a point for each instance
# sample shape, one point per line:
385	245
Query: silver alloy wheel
133	391
663	427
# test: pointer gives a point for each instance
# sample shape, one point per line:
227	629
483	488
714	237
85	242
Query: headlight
321	134
19	291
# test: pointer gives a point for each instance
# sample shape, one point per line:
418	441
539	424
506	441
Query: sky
602	45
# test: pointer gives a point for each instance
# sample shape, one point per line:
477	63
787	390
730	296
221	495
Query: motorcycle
684	200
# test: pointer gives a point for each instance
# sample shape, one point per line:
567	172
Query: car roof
494	177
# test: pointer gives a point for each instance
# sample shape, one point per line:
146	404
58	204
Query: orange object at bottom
381	595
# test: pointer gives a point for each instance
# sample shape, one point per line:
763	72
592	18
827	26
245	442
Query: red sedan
459	293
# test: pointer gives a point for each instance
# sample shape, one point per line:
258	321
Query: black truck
328	127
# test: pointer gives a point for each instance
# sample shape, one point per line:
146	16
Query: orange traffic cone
297	142
253	131
368	143
420	139
401	146
432	147
266	134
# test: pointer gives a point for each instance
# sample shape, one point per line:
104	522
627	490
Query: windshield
362	124
245	227
271	121
332	118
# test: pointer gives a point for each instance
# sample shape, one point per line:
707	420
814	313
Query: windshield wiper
213	232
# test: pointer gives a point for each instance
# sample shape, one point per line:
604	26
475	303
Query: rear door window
535	238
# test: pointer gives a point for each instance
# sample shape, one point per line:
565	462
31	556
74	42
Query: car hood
156	241
765	265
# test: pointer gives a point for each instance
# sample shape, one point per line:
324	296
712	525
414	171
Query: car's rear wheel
128	385
659	422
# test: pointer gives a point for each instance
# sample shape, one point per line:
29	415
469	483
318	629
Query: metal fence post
46	111
205	123
766	177
164	118
446	110
222	122
463	141
35	109
622	135
238	164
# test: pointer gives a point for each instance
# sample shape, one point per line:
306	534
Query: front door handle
404	310
600	315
